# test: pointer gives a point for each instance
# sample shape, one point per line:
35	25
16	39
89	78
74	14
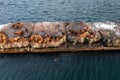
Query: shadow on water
48	54
85	65
56	56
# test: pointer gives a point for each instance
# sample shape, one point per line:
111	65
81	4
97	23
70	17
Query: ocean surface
92	65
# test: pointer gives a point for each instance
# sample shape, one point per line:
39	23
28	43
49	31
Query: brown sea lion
17	34
48	34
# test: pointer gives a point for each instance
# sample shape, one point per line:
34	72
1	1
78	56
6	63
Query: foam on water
3	25
105	25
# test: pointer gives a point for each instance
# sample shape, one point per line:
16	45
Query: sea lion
17	34
48	34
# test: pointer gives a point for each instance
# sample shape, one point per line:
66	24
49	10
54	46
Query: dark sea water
99	65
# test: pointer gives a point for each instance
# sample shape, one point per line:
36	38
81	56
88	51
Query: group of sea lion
54	34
